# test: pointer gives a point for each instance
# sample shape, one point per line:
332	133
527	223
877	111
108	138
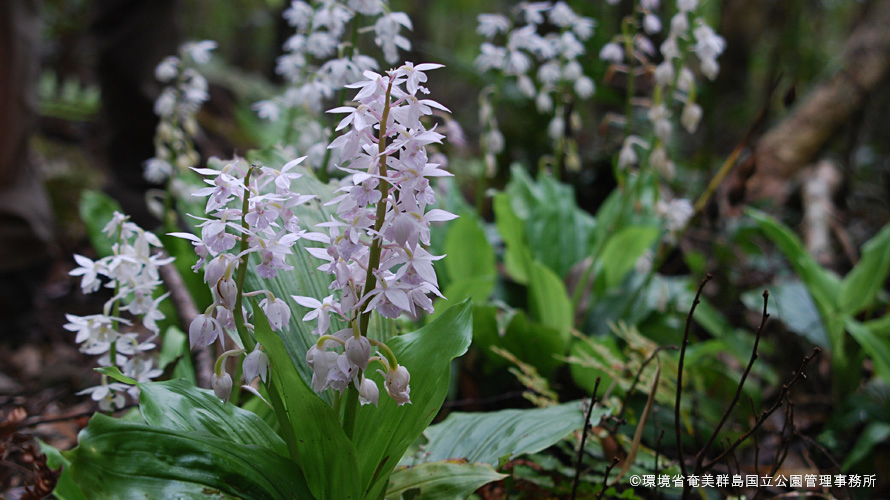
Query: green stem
383	187
373	260
245	337
351	407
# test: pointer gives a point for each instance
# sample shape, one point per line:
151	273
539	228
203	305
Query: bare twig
658	450
797	375
584	432
699	458
680	373
756	441
615	461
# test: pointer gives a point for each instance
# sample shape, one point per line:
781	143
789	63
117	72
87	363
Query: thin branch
584	432
680	373
615	461
756	441
658	450
700	457
797	375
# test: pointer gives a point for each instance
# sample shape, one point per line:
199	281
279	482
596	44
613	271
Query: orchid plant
374	248
296	409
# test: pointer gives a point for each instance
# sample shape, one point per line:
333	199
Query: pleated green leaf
326	456
487	437
124	460
180	406
440	480
383	434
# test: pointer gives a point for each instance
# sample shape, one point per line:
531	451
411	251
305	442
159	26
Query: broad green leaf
548	300
534	343
468	250
440	480
790	303
477	288
517	256
66	488
96	210
325	454
487	437
184	252
874	434
557	231
531	342
622	250
180	406
116	459
174	349
383	434
875	344
861	285
821	283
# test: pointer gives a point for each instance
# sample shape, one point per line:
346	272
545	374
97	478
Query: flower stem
246	340
350	407
351	404
374	259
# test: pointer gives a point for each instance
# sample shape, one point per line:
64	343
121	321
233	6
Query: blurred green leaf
517	256
557	231
821	283
468	250
876	345
874	434
96	210
175	349
791	304
548	300
622	250
531	342
860	287
440	480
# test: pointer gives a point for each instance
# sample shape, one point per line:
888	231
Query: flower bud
368	392
256	364
227	291
222	385
203	330
396	383
612	52
358	351
691	116
277	313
